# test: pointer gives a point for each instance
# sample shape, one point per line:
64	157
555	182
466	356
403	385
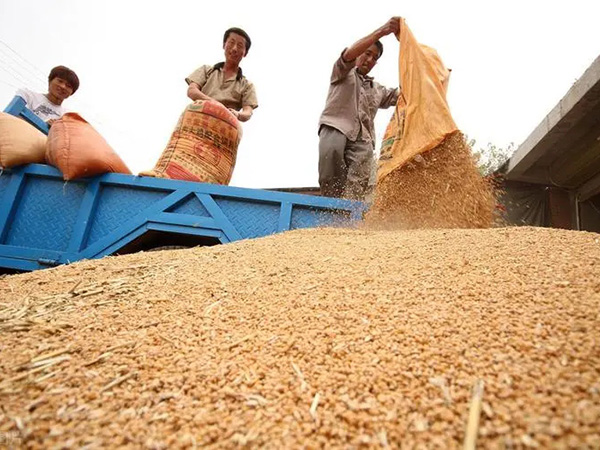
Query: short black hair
241	33
380	48
66	74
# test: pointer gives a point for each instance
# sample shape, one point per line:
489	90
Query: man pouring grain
346	126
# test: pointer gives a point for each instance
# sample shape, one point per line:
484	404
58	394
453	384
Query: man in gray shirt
346	126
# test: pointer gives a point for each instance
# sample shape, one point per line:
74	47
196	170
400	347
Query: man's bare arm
194	92
360	46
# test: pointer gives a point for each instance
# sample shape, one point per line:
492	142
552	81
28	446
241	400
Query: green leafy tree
492	157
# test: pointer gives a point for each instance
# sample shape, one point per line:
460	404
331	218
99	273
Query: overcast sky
511	62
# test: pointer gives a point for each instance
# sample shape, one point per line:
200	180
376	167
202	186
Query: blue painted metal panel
55	221
285	217
188	230
250	219
97	248
18	107
131	181
190	205
116	206
85	216
30	253
48	206
4	180
118	243
303	217
10	201
245	194
215	211
186	220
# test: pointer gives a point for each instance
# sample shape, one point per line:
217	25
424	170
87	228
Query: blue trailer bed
45	221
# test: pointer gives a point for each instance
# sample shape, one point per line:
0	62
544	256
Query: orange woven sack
422	117
203	146
20	143
77	150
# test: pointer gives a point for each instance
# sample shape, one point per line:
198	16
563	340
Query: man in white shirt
62	83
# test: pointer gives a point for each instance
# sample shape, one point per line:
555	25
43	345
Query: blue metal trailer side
45	221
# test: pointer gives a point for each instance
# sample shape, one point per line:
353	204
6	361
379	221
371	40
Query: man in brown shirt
224	82
346	126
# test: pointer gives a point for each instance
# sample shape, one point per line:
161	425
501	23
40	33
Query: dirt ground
322	338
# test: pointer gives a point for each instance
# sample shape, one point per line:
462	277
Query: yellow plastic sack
422	118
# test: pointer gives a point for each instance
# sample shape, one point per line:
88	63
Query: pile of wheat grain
313	338
441	188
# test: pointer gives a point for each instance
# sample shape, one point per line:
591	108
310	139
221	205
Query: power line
20	68
38	78
8	84
15	77
19	55
14	67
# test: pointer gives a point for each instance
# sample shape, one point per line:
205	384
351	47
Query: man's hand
360	46
243	115
391	26
49	122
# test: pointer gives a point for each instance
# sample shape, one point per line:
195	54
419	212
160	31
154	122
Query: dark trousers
344	165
